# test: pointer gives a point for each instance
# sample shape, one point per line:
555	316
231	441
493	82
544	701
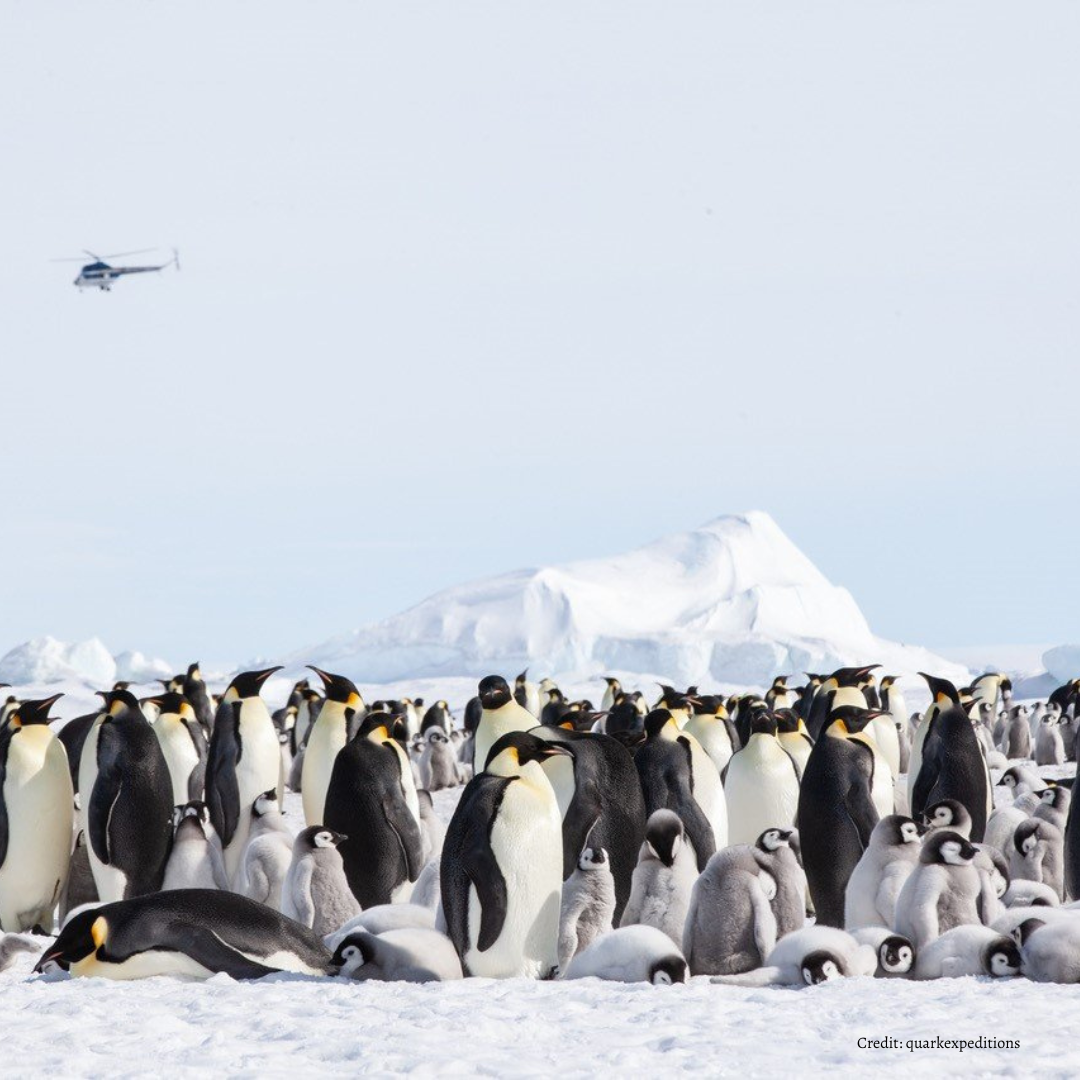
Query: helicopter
100	275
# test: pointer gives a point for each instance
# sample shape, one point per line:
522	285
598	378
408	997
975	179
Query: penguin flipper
4	827
484	872
105	792
206	948
222	788
581	815
861	812
400	819
924	785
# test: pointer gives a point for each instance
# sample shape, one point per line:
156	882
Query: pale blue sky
475	286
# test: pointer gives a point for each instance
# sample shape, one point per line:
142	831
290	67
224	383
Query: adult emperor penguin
126	799
599	795
943	696
36	813
842	688
502	864
875	883
612	691
836	811
941	892
328	735
527	694
501	714
761	785
793	736
372	800
193	932
712	728
184	746
676	774
73	735
244	761
194	690
952	766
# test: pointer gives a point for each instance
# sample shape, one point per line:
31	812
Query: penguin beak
554	750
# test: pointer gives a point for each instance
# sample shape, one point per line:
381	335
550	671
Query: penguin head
592	859
1008	779
1054	796
266	803
84	935
1048	720
897	829
319	836
664	834
774	839
118	702
668	971
787	721
172	704
896	955
339	689
494	692
762	722
850	719
353	952
820	966
193	818
1001	958
1025	929
657	721
193	672
948	814
31	713
1028	835
887	682
522	679
948	848
248	684
518	748
942	691
377	725
173	685
436	735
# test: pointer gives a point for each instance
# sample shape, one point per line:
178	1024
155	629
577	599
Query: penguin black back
73	736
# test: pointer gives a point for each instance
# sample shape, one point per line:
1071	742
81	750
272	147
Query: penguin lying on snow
809	956
631	954
383	918
195	932
896	955
968	950
416	955
11	946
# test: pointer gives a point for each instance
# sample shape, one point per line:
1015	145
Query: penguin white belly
887	741
526	840
496	723
283	961
258	770
709	792
762	790
327	738
180	756
797	748
714	739
142	965
40	810
881	789
560	771
915	762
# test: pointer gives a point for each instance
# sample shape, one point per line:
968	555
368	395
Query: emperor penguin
79	889
372	800
328	735
195	861
437	715
761	785
676	774
810	956
438	763
968	950
36	818
941	892
192	932
896	955
1002	826
409	954
184	746
500	715
502	864
1038	854
1054	803
631	954
1049	747
712	728
268	854
307	712
841	689
383	918
1050	951
527	694
836	811
244	761
774	851
952	765
73	736
587	905
612	690
949	814
126	800
876	881
1017	742
194	691
778	696
432	829
943	696
794	738
663	878
316	891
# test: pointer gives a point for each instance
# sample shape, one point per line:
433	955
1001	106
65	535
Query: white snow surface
734	602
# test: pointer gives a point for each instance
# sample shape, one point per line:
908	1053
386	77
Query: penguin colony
812	833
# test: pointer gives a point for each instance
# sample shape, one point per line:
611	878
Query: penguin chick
438	763
941	892
80	888
1049	745
993	871
878	877
1054	802
968	950
10	947
1017	740
1020	779
383	917
662	881
775	854
588	904
426	892
1023	893
413	954
268	852
949	814
895	954
432	828
810	956
316	891
1050	951
1039	854
631	954
1001	828
195	861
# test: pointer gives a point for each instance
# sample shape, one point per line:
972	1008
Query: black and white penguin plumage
502	864
328	734
968	950
676	774
952	765
810	956
836	812
761	784
372	800
587	905
878	877
316	891
500	714
36	817
409	954
184	746
268	853
1054	804
1038	854
437	715
896	955
73	735
600	799
196	860
192	932
80	888
195	692
126	799
244	761
712	728
631	954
